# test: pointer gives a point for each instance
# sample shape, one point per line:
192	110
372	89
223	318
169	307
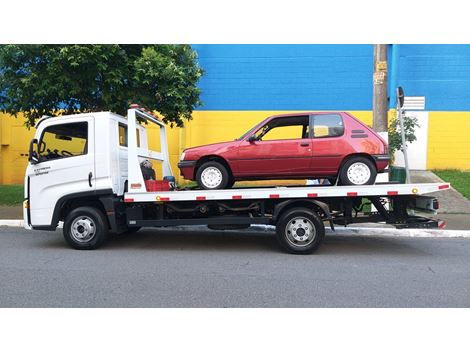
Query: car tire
85	228
300	231
230	183
357	171
212	175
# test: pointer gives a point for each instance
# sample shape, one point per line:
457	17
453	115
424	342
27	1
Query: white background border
242	21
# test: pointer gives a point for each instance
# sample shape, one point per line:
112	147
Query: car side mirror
252	139
33	157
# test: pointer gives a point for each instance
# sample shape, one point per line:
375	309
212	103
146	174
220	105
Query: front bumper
187	169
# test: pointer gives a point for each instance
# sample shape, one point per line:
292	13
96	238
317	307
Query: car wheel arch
356	155
217	158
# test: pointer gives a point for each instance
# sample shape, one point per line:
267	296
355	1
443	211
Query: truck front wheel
300	231
85	228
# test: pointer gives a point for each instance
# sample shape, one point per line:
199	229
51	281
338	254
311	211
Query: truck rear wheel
133	229
85	228
300	231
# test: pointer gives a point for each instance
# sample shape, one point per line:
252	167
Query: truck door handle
304	144
90	175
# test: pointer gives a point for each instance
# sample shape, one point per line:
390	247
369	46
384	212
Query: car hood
213	146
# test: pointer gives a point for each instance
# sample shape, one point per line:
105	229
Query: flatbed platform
377	190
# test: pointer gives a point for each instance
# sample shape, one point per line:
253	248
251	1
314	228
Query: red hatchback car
293	146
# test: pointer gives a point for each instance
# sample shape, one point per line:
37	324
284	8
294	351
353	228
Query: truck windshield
62	141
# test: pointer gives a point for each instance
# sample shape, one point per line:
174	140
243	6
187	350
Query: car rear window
327	125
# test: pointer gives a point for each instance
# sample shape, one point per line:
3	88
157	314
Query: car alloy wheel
211	177
358	173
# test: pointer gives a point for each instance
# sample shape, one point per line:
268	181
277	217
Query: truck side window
64	141
327	125
123	135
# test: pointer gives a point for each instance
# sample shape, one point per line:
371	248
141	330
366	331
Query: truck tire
300	231
212	175
133	229
85	228
358	171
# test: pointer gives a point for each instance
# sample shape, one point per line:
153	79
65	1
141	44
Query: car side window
64	141
291	127
327	125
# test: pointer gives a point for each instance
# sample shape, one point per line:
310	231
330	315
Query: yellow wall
14	144
449	140
206	127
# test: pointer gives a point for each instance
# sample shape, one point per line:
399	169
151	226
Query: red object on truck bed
157	186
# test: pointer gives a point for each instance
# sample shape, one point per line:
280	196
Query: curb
11	223
359	231
383	231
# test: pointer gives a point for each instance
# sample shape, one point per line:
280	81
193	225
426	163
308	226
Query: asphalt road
187	268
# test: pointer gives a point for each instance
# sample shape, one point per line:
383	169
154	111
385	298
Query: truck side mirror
33	155
252	139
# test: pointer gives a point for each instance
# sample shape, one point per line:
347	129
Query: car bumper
187	168
381	160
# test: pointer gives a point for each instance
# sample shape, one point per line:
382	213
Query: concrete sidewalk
11	212
450	201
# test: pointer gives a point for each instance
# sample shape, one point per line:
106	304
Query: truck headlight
182	156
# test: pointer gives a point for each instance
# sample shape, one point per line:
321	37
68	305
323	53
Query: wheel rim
211	177
300	231
358	173
83	229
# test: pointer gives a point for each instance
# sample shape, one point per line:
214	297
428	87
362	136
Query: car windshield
245	134
250	131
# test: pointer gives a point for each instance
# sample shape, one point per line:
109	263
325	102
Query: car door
328	143
281	147
66	166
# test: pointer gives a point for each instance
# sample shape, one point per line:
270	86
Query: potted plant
410	123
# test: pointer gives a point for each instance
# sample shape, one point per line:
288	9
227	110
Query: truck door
66	165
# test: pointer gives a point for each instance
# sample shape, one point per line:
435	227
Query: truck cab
76	156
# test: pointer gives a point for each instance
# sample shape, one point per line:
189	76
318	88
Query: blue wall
328	77
286	77
439	72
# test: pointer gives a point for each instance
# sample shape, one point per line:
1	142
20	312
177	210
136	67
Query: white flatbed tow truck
85	170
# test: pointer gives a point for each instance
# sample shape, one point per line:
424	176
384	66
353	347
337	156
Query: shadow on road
246	241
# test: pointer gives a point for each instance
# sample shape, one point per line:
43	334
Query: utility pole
380	97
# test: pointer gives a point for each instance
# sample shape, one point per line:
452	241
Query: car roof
308	113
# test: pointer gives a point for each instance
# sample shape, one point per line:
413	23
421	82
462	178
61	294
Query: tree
50	80
410	123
